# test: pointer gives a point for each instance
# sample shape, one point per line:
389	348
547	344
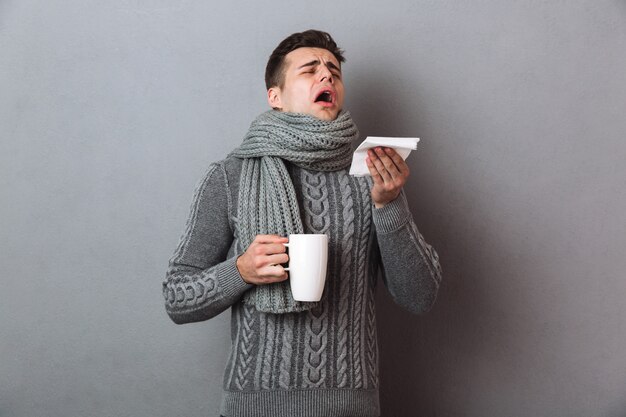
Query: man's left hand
389	173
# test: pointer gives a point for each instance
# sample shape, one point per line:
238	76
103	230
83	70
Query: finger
277	259
395	156
388	163
380	167
398	161
272	248
270	239
378	180
273	271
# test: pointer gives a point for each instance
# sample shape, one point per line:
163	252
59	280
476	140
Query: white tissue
403	146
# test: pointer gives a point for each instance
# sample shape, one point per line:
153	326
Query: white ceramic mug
308	259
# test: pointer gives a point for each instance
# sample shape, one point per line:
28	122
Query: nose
325	74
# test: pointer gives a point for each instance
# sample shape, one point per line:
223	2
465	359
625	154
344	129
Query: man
289	175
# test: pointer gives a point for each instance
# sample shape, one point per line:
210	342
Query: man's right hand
260	263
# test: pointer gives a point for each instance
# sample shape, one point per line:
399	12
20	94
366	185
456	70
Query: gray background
111	111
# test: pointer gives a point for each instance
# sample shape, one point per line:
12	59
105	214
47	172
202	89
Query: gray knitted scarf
267	199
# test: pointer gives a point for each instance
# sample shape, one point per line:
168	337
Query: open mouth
325	96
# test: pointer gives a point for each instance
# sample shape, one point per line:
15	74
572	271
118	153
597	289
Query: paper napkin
403	146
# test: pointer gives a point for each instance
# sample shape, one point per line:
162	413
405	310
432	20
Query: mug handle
286	245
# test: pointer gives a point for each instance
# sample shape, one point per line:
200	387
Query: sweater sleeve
410	266
200	281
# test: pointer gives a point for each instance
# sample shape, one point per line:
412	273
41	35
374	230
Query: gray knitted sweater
317	363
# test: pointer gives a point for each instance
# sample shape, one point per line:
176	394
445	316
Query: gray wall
110	112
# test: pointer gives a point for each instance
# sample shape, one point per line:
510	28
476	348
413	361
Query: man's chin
326	115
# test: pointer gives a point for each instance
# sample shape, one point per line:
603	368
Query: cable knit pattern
188	290
246	350
318	362
316	339
356	323
347	243
264	358
316	202
285	376
371	347
372	363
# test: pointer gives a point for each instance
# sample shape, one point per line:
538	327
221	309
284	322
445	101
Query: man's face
312	84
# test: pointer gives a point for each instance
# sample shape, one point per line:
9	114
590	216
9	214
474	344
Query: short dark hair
275	71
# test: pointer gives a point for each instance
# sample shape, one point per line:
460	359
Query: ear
273	98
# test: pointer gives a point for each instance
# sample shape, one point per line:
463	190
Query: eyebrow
317	62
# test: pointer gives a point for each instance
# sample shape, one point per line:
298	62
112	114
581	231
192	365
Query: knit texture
267	199
320	362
